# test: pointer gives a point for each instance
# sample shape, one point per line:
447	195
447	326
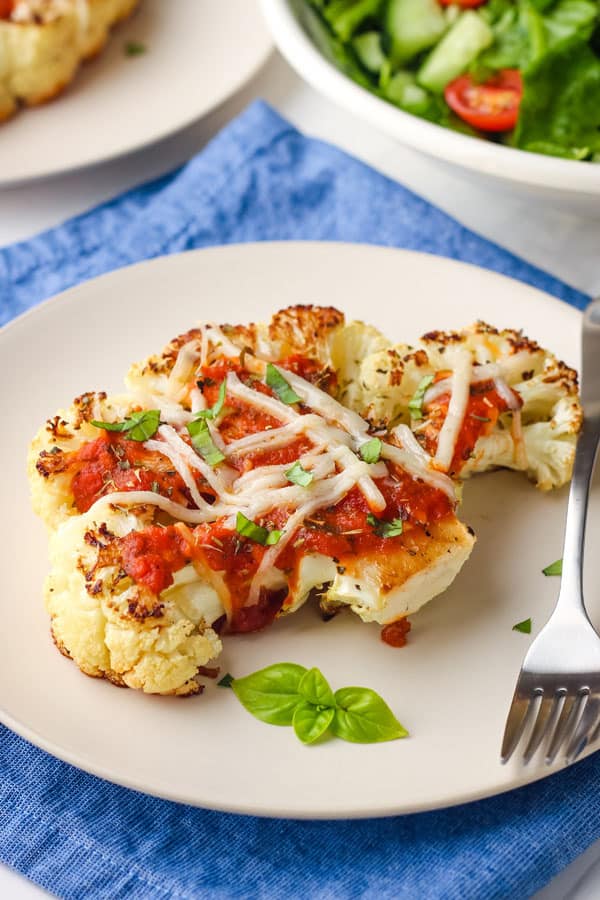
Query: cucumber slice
403	91
345	16
368	50
455	52
413	26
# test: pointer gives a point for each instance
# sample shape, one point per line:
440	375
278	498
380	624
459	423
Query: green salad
521	72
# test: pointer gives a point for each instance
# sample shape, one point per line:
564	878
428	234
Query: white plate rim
505	163
242	807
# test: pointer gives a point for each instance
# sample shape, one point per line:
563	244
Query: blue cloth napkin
80	837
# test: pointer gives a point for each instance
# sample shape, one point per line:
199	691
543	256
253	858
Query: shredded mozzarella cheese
335	432
457	407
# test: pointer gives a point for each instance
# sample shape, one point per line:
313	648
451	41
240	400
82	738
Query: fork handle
571	588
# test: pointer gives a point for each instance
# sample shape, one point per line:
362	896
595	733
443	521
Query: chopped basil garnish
226	680
140	426
298	475
385	529
554	568
248	528
415	405
203	443
289	694
371	451
215	410
277	383
134	48
481	418
524	626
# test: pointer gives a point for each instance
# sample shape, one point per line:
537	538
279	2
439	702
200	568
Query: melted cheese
335	432
457	407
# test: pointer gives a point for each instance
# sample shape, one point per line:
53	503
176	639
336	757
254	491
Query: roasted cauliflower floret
64	433
349	347
42	43
115	628
550	416
308	331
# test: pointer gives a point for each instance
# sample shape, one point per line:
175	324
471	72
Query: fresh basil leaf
111	426
134	48
371	451
415	404
311	722
277	383
215	410
203	443
524	626
554	568
247	528
140	426
363	717
298	475
315	689
271	694
385	529
226	681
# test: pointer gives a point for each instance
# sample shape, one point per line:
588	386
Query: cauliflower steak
250	468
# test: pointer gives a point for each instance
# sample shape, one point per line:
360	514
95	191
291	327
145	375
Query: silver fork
557	697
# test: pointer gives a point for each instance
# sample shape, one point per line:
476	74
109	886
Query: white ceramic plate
450	686
568	181
199	52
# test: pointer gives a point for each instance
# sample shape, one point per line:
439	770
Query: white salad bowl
568	184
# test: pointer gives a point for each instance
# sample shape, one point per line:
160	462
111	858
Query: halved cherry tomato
491	106
6	7
464	4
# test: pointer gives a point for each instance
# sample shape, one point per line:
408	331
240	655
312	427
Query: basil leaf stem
282	388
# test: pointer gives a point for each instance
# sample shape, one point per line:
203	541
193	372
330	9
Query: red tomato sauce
341	532
395	634
6	8
484	406
151	556
112	463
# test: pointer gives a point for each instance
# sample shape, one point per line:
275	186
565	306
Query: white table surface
559	243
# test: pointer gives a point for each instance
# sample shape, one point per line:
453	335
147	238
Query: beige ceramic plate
198	53
450	686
